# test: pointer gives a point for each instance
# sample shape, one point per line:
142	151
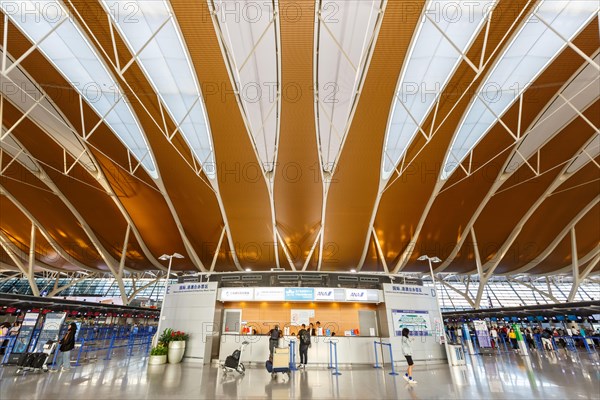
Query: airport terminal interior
299	199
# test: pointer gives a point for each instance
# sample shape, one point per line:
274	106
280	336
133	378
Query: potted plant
175	341
158	355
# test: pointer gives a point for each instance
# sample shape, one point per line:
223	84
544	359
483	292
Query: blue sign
299	294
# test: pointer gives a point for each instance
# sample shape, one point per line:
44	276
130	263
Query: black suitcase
231	362
25	360
39	360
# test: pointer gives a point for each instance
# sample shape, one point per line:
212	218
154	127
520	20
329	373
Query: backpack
236	354
305	337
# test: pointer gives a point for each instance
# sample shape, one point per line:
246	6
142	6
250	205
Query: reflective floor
505	376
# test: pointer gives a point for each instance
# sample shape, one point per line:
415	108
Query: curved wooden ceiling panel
243	190
298	188
551	217
588	228
60	223
17	228
355	184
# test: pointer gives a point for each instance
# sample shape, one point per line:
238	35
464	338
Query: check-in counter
350	349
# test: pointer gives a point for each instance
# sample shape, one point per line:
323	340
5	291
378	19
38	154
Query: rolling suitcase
39	361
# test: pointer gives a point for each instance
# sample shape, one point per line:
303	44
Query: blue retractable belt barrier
333	357
391	356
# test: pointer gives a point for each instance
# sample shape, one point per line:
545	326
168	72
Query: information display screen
25	333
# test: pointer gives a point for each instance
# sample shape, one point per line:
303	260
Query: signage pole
437	301
162	306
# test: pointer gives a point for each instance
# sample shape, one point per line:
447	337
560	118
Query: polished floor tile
504	376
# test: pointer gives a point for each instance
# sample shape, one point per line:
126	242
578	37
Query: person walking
513	339
407	350
67	343
304	338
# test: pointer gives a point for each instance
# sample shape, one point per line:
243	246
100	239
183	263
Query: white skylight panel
346	31
64	45
151	32
250	38
532	49
431	63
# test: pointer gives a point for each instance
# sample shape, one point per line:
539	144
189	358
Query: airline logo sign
237	294
324	294
356	295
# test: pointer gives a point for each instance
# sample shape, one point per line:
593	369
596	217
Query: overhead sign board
324	294
237	294
356	295
269	294
299	294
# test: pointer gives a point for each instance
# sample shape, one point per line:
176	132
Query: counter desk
350	349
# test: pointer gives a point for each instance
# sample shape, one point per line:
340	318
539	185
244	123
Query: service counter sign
357	295
192	287
269	294
237	294
299	294
324	294
411	290
416	321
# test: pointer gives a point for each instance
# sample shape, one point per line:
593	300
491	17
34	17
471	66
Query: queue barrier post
80	352
293	356
130	344
334	344
585	343
376	358
110	346
330	365
392	360
389	345
148	341
55	354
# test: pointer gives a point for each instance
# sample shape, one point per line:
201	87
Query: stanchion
130	344
391	356
110	346
376	358
333	348
79	353
293	356
330	365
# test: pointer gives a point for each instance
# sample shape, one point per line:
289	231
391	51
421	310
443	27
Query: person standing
407	350
4	328
304	338
273	339
67	343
